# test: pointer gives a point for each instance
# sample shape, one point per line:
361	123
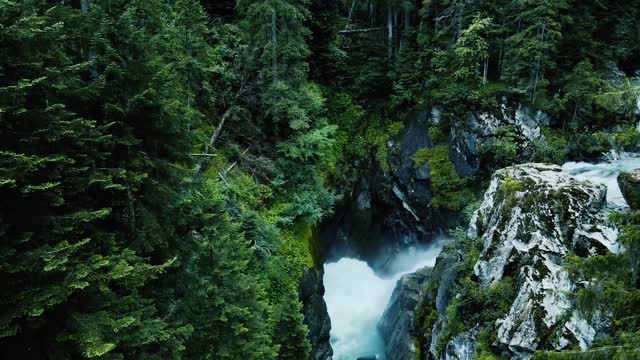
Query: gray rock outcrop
315	313
629	183
389	209
532	217
397	322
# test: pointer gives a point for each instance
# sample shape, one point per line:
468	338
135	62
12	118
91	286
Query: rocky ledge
315	312
630	186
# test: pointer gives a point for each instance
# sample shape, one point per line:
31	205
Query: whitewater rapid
605	173
356	298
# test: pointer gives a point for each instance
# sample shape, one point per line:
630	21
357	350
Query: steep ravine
356	298
388	214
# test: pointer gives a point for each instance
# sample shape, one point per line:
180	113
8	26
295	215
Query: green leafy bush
552	148
501	150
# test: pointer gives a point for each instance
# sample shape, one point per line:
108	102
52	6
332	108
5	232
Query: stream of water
605	173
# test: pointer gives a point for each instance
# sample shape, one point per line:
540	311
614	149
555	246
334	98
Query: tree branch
346	32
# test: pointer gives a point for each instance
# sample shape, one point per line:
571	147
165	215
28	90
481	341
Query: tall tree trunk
407	20
534	82
485	71
460	19
372	15
500	61
407	27
390	33
396	35
501	52
274	41
538	67
91	53
84	6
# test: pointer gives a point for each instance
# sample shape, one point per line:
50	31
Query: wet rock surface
397	322
629	183
462	346
385	212
524	125
532	217
315	313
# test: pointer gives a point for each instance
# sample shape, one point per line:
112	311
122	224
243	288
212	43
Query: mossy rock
630	186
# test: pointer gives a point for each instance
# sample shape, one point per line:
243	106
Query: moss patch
450	191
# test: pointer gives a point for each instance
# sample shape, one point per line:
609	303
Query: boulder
423	172
629	183
532	217
462	346
397	322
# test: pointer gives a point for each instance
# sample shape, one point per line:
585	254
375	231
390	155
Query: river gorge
357	296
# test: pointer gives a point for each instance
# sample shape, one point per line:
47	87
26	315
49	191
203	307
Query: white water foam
605	173
356	298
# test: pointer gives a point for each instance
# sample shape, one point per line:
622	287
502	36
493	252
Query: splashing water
356	299
605	173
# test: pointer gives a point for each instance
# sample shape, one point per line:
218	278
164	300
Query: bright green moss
450	191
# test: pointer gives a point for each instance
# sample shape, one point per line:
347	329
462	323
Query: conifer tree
290	331
222	297
532	46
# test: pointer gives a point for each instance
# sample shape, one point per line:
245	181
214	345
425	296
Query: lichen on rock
630	186
526	232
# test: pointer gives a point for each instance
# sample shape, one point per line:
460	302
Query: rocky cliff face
315	313
385	211
467	139
532	218
397	322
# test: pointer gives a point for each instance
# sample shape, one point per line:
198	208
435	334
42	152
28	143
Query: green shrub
626	139
552	148
501	150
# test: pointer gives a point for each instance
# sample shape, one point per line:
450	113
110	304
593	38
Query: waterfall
356	298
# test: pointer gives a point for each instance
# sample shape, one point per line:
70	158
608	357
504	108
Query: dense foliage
162	167
148	206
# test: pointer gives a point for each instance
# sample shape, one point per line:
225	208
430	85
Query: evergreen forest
169	168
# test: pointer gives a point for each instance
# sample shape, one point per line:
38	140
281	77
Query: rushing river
605	173
356	297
